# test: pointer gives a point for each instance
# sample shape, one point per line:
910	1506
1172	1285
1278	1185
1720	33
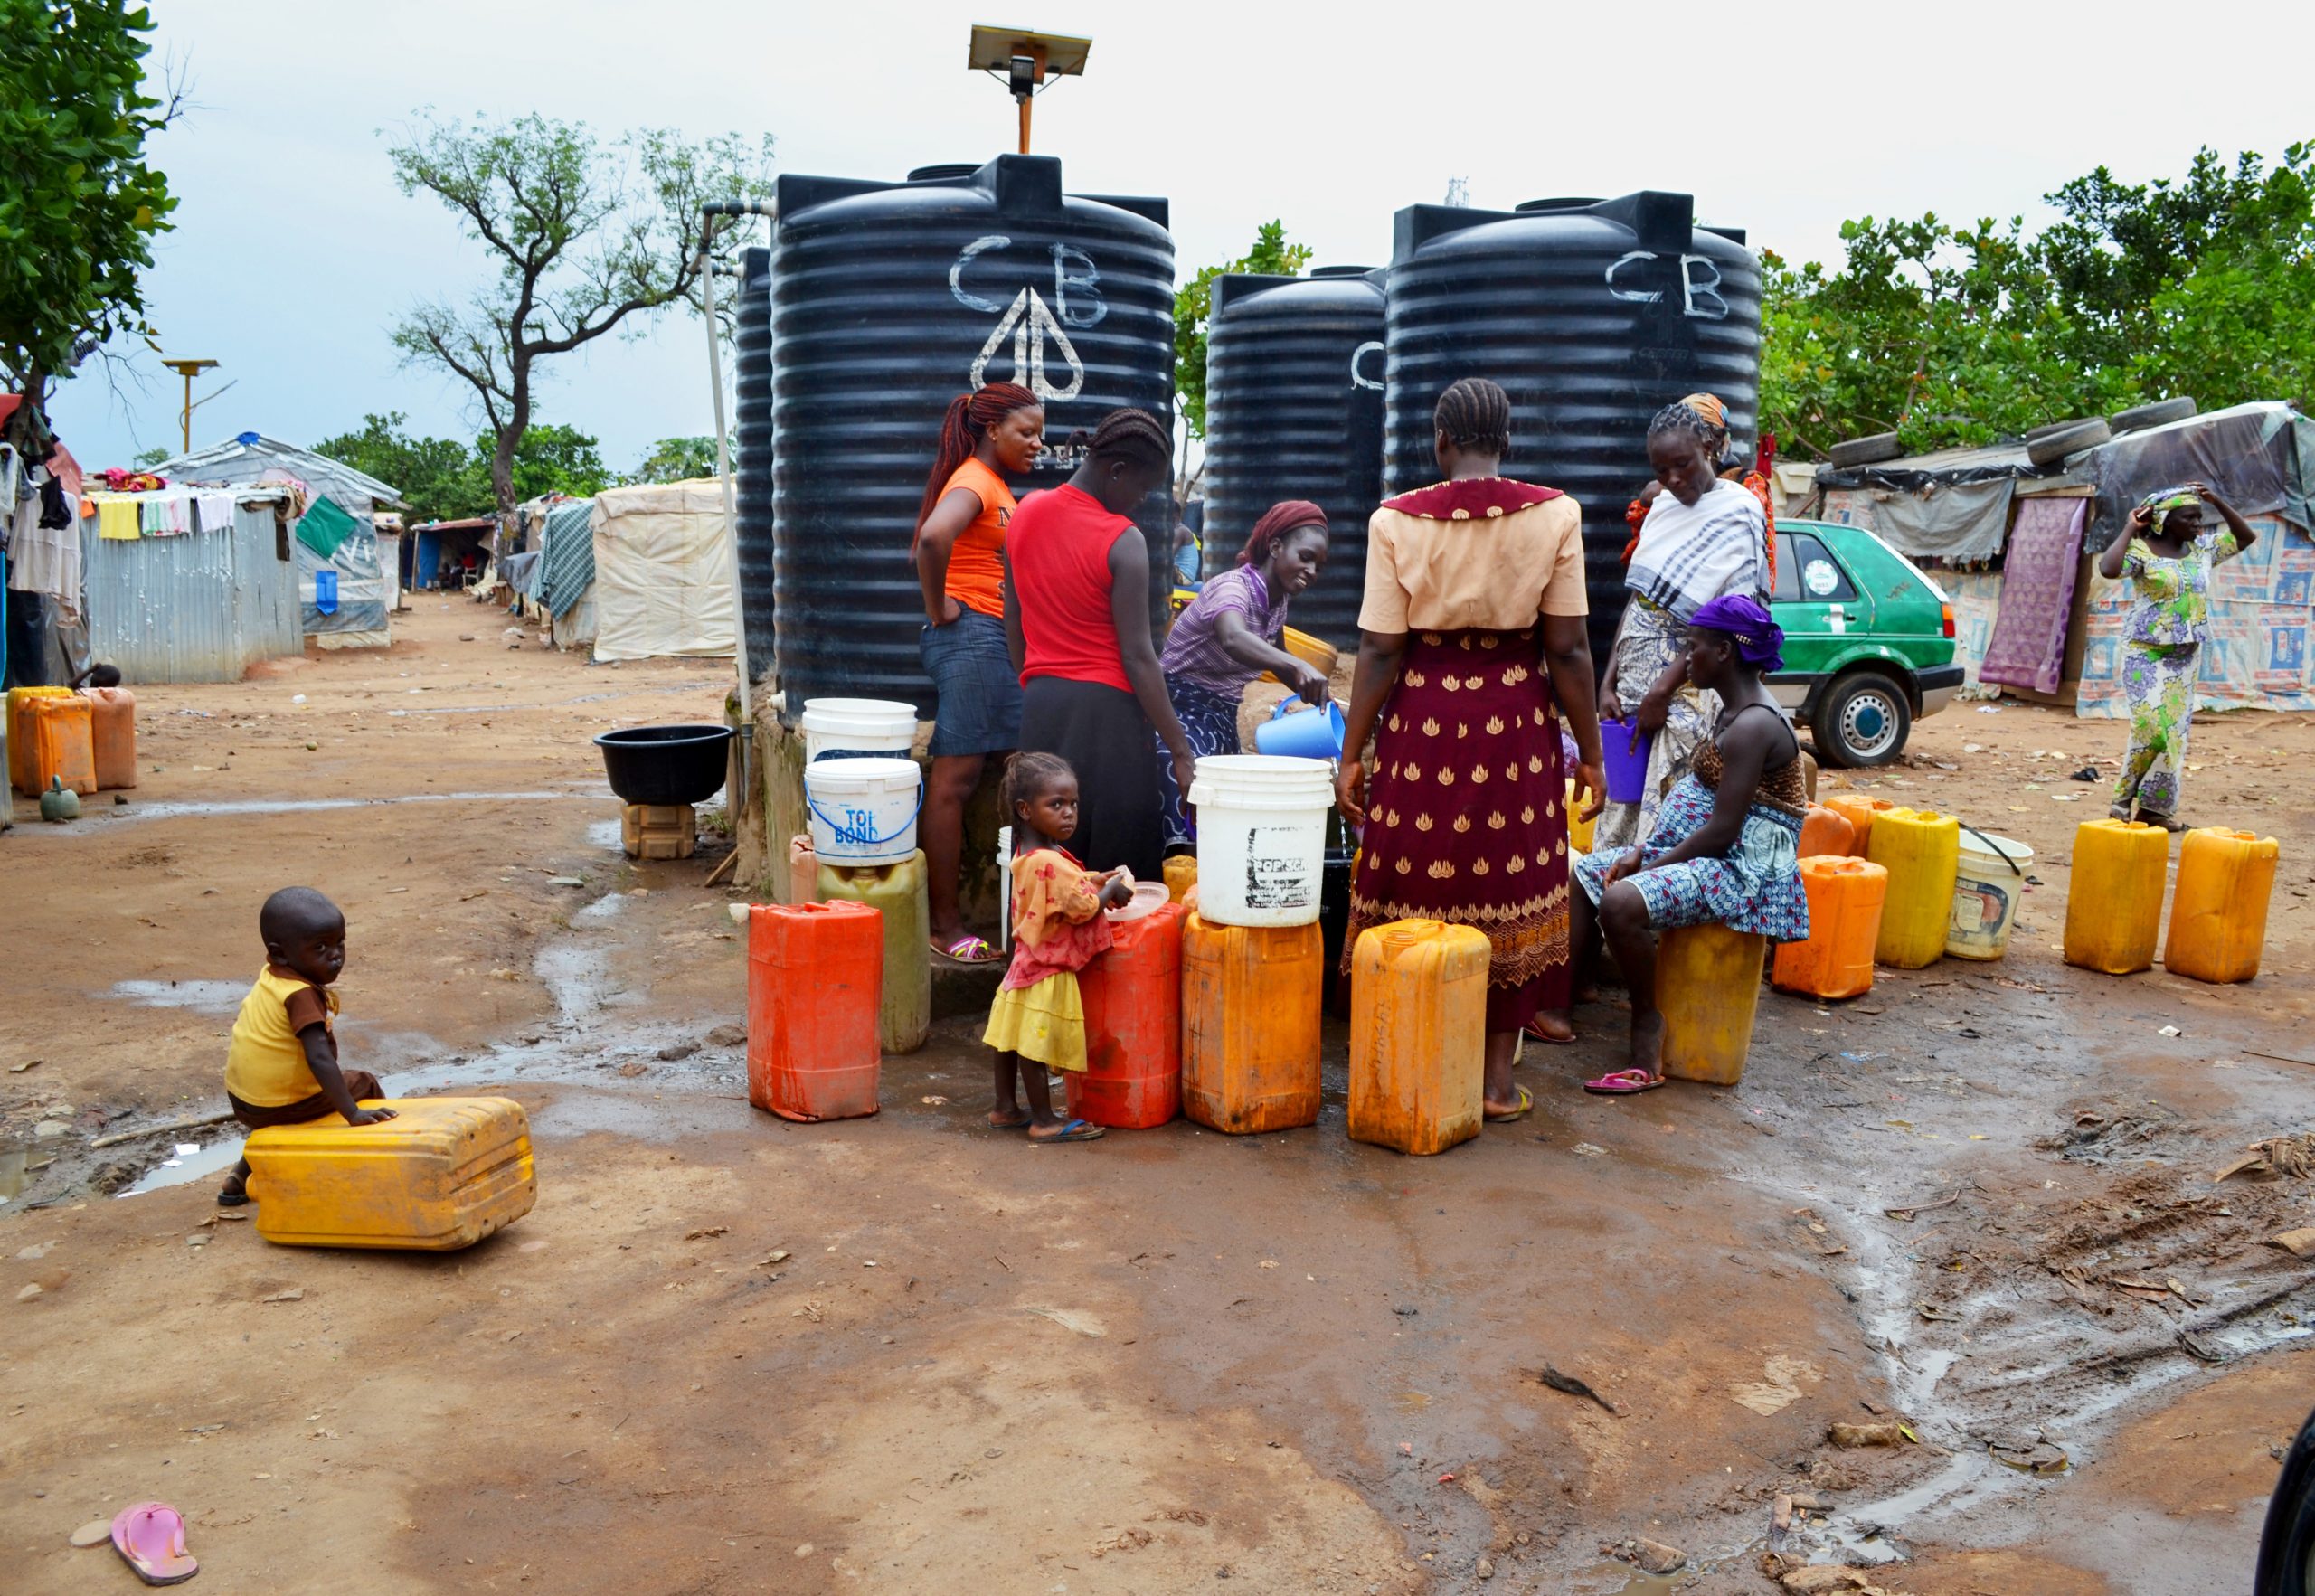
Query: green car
1868	641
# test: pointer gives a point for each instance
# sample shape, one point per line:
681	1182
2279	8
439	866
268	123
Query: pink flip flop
1623	1083
150	1539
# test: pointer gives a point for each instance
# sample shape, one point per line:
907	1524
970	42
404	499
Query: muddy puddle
182	809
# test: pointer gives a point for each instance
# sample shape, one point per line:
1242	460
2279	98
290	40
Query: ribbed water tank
751	452
1593	315
888	299
1294	411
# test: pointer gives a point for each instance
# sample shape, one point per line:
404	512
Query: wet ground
727	1353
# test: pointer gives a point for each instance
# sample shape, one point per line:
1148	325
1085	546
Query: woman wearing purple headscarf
1725	844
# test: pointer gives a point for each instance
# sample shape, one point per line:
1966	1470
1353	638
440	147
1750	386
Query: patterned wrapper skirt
1464	813
1210	721
1755	886
2158	684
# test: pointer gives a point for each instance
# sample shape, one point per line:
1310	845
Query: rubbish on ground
150	1539
781	1255
29	1292
194	1123
1946	1201
1585	1149
2299	1243
1070	1318
1883	1435
2281	1058
2276	1154
293	1294
2087	773
565	881
20	1069
2169	1031
1569	1385
1988	709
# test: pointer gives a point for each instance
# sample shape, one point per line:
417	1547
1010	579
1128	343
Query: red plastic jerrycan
815	977
1132	1079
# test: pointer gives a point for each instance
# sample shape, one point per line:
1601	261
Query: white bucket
1262	837
864	811
857	725
1986	891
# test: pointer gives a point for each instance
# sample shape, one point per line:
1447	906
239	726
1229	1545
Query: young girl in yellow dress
1058	929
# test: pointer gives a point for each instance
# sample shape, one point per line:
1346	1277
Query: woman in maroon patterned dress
1471	646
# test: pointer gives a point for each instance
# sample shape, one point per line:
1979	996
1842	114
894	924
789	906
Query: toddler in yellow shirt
282	1067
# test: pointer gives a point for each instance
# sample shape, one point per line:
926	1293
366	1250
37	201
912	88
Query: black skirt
1106	739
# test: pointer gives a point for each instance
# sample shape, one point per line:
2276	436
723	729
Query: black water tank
888	299
1294	411
751	453
1593	314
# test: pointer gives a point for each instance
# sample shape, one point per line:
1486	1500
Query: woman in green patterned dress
2167	554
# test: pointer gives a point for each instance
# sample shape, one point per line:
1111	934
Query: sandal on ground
1526	1105
150	1539
1623	1083
1075	1130
1535	1028
236	1193
2156	818
969	950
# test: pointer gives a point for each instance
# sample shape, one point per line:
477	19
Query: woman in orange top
959	554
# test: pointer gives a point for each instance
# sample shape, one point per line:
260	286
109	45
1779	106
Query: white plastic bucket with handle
1262	837
857	726
864	811
1988	886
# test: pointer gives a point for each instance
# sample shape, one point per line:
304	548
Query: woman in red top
1079	614
960	553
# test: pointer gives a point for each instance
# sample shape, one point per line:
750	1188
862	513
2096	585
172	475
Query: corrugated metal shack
201	606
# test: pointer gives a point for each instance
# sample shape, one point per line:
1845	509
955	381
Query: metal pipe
724	460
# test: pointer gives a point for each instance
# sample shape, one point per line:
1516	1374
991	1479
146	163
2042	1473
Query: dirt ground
729	1354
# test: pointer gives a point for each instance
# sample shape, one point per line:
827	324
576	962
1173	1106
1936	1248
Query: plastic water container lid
1148	898
1263	781
856	774
885	716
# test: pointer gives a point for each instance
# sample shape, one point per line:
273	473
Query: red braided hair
970	416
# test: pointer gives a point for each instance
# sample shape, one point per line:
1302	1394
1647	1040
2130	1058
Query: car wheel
2160	413
2287	1549
1863	719
1865	451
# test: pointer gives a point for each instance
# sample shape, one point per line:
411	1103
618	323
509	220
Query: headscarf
2163	500
1710	408
1760	641
1290	515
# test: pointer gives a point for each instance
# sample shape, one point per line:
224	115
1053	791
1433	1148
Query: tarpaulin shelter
342	588
567	572
663	572
2032	614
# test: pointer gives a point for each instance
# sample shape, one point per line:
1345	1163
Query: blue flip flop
1075	1130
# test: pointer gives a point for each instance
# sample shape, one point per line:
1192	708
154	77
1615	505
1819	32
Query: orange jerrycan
816	978
1132	1078
1922	851
2113	910
1858	809
1249	1024
112	729
1708	986
2218	913
60	744
1844	898
20	736
442	1174
1825	833
1418	1034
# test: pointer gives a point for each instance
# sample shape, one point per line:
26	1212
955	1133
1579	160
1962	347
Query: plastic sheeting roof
250	455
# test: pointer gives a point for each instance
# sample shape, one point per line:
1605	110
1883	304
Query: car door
1817	602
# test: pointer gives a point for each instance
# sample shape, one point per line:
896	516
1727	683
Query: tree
1192	307
552	459
585	239
79	206
677	460
438	477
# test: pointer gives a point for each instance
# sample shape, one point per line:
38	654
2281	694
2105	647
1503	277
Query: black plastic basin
665	764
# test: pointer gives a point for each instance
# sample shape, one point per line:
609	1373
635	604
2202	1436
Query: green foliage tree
2205	286
439	476
584	238
1194	306
677	460
79	206
551	459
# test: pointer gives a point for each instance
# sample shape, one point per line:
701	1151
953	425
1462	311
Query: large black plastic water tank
1593	315
888	299
1294	411
751	453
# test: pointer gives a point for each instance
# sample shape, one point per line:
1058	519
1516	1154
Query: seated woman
1232	632
1725	845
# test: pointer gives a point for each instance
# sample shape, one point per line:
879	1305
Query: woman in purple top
1232	632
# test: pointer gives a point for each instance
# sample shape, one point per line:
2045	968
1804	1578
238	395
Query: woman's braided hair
1132	434
1476	415
1681	420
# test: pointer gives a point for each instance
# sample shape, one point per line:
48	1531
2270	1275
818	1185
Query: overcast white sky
294	253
